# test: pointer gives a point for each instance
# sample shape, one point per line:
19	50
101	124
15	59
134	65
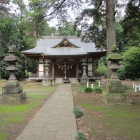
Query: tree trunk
110	28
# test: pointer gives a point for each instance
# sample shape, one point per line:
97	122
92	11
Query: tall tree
110	29
131	25
110	25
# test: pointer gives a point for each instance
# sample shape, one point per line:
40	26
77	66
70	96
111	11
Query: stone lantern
115	91
46	81
12	92
84	78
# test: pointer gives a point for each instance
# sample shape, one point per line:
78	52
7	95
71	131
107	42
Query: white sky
54	21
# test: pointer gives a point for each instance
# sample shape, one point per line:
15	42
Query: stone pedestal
84	81
115	98
13	99
12	87
115	93
46	82
115	86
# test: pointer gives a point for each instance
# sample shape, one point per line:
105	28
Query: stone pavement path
55	120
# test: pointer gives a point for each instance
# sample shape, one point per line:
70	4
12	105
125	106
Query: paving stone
55	120
48	136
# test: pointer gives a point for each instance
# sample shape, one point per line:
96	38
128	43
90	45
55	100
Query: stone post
46	81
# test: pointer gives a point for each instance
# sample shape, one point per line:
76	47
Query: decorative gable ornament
65	43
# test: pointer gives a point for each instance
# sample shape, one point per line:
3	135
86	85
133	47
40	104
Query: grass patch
15	114
3	136
17	119
122	121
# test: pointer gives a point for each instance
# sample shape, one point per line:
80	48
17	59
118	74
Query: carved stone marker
12	92
115	91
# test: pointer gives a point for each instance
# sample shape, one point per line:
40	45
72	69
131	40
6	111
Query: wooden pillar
53	74
77	70
92	68
44	66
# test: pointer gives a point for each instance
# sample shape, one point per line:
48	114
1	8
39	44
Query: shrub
88	89
101	69
131	63
82	88
80	136
78	113
98	89
121	74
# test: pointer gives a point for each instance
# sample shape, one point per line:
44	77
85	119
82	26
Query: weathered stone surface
12	87
114	56
115	89
12	92
46	82
115	92
55	120
115	98
84	80
115	86
13	99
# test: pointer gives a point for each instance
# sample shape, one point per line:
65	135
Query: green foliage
131	61
78	113
128	29
121	74
3	136
31	65
82	88
80	136
88	89
67	29
102	68
17	119
98	90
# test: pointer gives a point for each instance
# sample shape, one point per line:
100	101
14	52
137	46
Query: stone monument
46	81
12	92
115	92
84	78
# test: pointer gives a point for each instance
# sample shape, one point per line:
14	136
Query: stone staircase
60	81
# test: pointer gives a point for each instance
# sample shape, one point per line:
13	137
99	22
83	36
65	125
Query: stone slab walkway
55	120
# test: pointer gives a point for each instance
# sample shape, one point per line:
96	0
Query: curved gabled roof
48	46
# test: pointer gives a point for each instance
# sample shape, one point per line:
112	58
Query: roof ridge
60	37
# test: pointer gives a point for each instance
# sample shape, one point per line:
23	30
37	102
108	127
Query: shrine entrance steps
70	80
55	120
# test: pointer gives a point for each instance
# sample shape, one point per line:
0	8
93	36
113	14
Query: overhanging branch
57	8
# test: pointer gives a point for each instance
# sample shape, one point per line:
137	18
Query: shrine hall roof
58	45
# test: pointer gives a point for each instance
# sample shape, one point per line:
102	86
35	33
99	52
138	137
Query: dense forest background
24	23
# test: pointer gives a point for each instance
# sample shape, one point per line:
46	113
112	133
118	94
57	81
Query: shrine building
62	58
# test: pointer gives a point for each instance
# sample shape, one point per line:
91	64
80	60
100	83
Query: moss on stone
114	56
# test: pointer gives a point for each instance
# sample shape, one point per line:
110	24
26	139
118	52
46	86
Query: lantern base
115	93
115	98
84	80
13	99
46	82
